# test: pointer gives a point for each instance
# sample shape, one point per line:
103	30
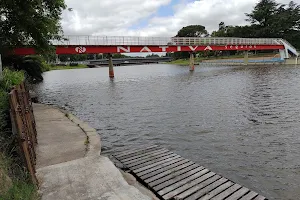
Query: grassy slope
19	186
67	67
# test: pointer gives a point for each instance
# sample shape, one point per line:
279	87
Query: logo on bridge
80	49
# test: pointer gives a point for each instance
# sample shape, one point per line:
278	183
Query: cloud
119	17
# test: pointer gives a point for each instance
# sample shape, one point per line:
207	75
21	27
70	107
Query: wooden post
110	66
192	61
246	58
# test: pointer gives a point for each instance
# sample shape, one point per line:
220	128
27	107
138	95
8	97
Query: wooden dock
170	176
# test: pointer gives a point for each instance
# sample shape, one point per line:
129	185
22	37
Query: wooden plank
155	164
137	147
207	189
164	168
227	192
148	159
217	190
192	168
183	185
142	156
249	196
259	197
238	194
177	181
177	176
167	172
153	169
152	161
194	186
130	153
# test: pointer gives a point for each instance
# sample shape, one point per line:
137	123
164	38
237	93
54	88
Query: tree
268	19
29	22
192	31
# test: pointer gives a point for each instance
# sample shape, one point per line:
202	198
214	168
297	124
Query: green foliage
33	66
192	31
17	187
268	19
152	55
11	78
30	22
21	190
79	66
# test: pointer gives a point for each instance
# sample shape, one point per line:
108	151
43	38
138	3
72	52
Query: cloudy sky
151	17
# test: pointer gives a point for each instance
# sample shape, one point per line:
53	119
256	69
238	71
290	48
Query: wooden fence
23	125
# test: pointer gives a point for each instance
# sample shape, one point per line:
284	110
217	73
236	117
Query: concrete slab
59	139
89	178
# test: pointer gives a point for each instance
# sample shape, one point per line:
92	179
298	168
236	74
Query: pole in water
192	61
110	67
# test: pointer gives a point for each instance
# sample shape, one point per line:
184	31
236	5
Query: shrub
33	66
73	64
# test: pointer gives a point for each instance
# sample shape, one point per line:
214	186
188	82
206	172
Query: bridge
127	44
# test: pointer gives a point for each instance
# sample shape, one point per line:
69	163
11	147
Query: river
241	122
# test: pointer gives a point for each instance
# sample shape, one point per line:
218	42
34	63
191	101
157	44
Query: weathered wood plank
217	190
194	186
143	156
170	171
164	168
178	188
207	189
177	176
124	152
183	173
227	192
179	180
152	161
249	196
238	194
173	177
148	159
154	164
259	197
153	169
135	152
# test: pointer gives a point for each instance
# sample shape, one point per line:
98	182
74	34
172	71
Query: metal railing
177	41
23	125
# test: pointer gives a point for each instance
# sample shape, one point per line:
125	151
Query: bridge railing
132	40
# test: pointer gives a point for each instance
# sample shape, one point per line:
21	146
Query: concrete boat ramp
70	167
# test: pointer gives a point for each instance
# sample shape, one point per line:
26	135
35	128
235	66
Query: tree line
268	19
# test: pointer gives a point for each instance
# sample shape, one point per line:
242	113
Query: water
241	122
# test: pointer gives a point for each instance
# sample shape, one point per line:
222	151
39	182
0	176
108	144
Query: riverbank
69	164
60	67
232	57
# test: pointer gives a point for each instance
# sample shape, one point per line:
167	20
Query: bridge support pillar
246	58
192	61
110	66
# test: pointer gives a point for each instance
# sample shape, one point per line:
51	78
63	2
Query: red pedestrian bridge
127	44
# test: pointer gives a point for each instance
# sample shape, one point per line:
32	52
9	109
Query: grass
15	187
11	78
15	183
80	66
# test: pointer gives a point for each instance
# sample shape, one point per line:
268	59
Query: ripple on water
240	122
